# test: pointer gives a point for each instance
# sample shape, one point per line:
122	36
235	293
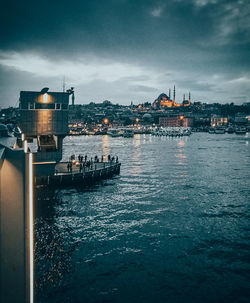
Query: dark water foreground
173	227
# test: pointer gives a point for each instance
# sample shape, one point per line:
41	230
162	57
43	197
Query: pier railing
87	174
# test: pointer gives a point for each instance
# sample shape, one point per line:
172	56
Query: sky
126	50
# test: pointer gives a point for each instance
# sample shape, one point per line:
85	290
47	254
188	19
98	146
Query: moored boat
219	130
240	131
128	133
114	132
230	130
211	130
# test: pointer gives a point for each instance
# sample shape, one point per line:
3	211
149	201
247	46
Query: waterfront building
241	119
218	121
44	124
175	121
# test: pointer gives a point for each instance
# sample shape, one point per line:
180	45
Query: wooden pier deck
87	175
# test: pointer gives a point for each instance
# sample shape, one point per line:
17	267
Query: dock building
44	124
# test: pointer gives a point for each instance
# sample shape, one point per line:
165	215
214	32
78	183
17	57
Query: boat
187	132
240	131
114	132
230	130
128	132
211	130
219	130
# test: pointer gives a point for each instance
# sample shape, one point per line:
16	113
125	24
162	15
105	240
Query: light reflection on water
174	226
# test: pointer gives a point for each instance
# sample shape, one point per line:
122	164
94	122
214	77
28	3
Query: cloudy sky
126	50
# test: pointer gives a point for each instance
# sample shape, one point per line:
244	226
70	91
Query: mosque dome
162	96
147	117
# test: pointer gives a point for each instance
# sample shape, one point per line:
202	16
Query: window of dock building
45	106
31	106
58	106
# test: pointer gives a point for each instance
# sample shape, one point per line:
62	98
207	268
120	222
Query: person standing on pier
86	157
80	167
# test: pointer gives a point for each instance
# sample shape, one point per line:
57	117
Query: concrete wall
13	278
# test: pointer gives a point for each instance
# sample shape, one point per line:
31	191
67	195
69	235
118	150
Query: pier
85	176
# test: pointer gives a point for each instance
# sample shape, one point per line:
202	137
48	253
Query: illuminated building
218	121
44	124
175	121
165	101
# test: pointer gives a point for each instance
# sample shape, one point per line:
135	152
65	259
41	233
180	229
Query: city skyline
127	50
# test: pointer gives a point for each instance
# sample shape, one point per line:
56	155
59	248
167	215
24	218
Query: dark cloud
142	88
176	40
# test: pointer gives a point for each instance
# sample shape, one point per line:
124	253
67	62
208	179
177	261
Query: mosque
166	101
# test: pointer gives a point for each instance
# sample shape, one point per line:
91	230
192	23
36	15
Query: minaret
73	96
184	97
174	93
169	94
189	99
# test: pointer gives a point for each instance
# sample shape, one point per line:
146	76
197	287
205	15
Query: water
173	227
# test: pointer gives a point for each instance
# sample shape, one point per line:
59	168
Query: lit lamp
137	120
181	117
45	97
106	121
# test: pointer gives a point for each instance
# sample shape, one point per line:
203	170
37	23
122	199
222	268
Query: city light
106	121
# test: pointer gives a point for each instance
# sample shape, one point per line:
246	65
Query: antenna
64	84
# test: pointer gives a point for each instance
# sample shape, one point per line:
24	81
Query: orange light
137	120
140	106
181	117
106	120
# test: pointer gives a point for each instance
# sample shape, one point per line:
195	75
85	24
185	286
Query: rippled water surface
173	227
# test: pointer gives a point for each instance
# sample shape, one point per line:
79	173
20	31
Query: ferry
114	132
211	130
128	133
241	131
172	131
219	130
